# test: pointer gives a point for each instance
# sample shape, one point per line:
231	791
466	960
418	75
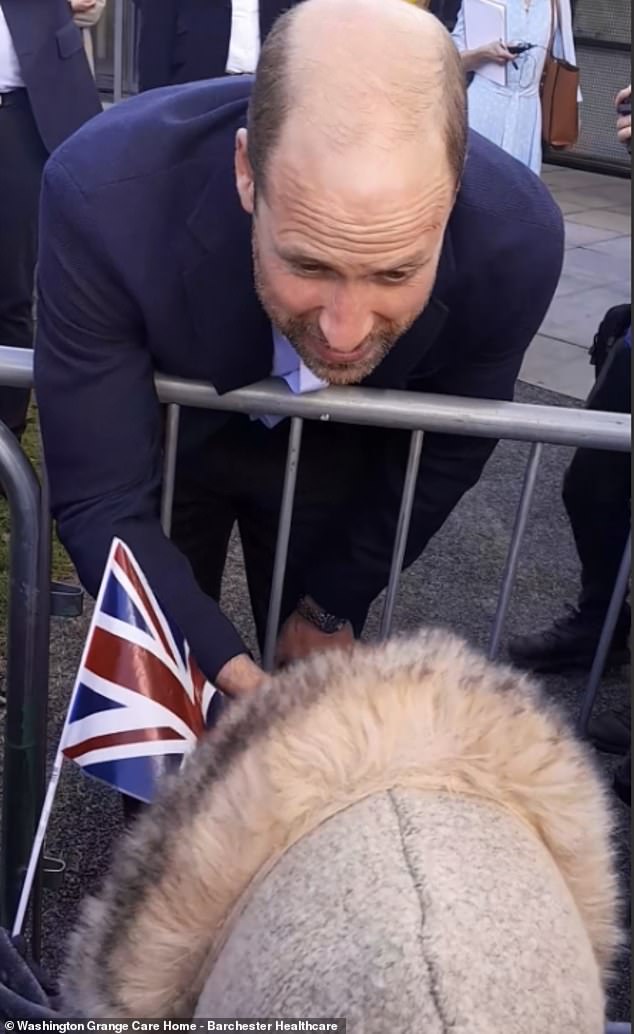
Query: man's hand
80	6
240	675
624	123
299	638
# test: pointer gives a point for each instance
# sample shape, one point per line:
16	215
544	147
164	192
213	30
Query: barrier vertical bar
281	545
24	751
169	466
42	661
512	557
402	531
118	41
605	639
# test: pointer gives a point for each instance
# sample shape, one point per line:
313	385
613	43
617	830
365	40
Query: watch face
327	623
332	624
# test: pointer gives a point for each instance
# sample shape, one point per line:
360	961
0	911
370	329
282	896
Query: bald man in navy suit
322	225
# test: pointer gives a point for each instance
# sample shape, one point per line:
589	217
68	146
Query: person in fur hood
403	835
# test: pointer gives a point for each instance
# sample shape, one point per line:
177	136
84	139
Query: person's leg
22	159
333	464
596	495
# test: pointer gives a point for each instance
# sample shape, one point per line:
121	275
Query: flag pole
38	843
56	771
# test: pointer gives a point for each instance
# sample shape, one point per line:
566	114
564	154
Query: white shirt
288	366
10	76
244	44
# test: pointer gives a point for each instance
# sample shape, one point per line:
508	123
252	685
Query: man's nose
346	320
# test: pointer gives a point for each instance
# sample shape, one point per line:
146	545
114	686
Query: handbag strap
553	27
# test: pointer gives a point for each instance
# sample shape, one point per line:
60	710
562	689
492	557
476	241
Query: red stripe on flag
135	668
119	739
123	559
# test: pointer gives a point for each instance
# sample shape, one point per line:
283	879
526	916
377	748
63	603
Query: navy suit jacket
145	265
182	41
54	68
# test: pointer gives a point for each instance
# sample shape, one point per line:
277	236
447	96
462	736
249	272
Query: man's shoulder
501	199
155	132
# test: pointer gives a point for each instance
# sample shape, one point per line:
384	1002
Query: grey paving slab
618	191
574	177
586	200
618	247
579	235
574	283
567	207
575	317
605	219
558	365
606	269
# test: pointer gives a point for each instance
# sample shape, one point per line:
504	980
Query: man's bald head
375	73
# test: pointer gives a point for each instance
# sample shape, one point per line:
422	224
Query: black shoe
623	781
610	733
569	644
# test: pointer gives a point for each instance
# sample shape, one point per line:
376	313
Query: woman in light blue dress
511	115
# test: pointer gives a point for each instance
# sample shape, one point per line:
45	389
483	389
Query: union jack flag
140	701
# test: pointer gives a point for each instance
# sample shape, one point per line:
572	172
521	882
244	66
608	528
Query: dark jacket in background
182	41
446	10
54	67
146	265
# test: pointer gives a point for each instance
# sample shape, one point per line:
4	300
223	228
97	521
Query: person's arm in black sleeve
101	421
345	580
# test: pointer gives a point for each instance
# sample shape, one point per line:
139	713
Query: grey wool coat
404	835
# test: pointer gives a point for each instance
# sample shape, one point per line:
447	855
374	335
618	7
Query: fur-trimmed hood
424	713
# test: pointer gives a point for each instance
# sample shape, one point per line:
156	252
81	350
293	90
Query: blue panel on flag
217	705
137	777
87	703
117	604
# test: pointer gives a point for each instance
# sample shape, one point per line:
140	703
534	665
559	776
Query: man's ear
244	173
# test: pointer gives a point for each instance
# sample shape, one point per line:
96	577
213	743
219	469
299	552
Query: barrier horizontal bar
480	418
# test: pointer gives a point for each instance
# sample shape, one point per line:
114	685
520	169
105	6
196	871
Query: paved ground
597	274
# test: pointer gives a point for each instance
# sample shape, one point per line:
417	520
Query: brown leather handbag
559	92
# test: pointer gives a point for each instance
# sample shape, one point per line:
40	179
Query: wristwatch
320	618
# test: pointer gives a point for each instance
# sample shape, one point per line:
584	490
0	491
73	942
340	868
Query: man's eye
396	276
309	269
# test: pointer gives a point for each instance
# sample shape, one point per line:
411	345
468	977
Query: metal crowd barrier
418	413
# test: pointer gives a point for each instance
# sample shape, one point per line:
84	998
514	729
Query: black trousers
597	490
238	478
22	158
